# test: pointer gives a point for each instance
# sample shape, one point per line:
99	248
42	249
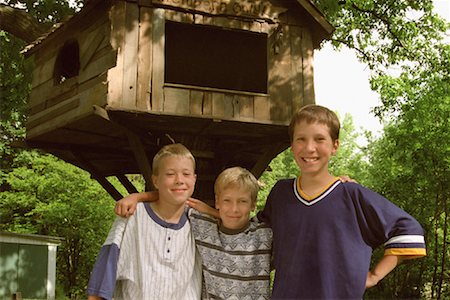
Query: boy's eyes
173	173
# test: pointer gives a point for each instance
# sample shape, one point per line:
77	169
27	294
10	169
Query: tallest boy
324	230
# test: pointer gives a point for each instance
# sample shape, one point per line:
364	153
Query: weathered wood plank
262	107
221	107
100	64
145	63
60	115
308	68
44	71
176	101
49	94
207	105
196	103
40	93
52	114
87	54
158	59
279	76
297	59
117	39
130	49
246	106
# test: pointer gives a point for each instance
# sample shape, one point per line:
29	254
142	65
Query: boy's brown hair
239	177
313	113
171	150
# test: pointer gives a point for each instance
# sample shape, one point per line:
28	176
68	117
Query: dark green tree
410	165
49	197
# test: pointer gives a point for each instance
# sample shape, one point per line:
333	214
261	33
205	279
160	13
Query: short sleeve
384	223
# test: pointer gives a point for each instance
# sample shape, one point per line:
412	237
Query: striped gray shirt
236	264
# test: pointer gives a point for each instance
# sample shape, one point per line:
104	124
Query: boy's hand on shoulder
126	206
202	207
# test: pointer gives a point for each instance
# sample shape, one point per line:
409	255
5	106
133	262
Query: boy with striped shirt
152	254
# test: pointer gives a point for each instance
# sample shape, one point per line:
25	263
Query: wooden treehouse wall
111	57
55	104
122	65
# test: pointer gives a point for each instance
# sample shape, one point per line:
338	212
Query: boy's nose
178	179
310	146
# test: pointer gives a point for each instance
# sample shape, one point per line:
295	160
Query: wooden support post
127	184
97	176
136	146
141	157
265	159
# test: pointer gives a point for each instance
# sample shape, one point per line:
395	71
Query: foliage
403	37
410	164
15	71
47	11
49	197
399	40
15	74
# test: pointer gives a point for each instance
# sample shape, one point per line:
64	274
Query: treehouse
120	79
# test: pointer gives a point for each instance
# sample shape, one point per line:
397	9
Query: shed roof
33	239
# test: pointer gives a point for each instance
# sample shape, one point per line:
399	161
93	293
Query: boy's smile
313	147
176	180
234	204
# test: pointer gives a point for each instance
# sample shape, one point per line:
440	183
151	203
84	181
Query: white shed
27	266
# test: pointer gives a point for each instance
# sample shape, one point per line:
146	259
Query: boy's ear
155	181
216	204
335	146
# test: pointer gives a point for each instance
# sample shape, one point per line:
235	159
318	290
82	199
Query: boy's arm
126	206
91	297
203	207
382	268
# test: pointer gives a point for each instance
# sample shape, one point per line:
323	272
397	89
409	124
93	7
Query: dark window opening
214	57
67	63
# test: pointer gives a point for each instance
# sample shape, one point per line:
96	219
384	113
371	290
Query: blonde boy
152	254
235	250
324	230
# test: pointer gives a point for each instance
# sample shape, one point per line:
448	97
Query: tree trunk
20	24
444	249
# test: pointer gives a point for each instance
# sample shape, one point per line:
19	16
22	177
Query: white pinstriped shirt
152	260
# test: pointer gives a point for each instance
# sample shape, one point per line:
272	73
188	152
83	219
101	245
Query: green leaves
44	195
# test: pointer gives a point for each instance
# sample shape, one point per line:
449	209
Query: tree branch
20	24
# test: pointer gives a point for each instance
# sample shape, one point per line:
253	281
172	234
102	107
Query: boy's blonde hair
171	150
239	177
312	113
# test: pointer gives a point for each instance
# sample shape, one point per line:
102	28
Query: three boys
324	230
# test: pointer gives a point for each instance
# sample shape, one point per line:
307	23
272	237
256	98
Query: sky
342	83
